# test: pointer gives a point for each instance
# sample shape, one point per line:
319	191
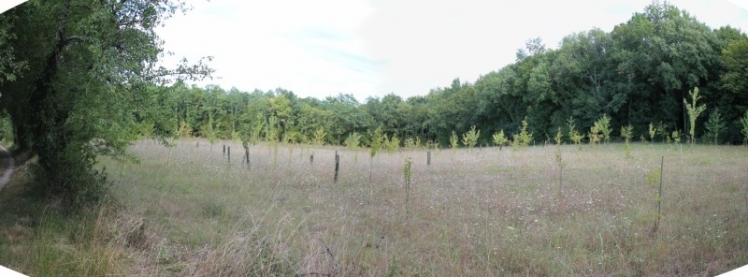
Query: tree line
637	75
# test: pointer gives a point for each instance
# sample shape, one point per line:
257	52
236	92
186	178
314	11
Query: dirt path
7	164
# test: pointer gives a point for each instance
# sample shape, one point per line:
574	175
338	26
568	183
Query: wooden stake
659	196
337	166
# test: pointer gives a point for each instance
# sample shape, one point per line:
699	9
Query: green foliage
411	143
143	129
693	112
6	129
95	79
652	132
392	144
292	136
353	140
627	132
594	134
376	141
744	128
470	138
453	140
577	137
603	125
271	130
676	137
574	135
523	138
208	130
559	137
185	130
735	57
236	137
407	172
259	124
715	125
653	177
662	131
499	139
430	144
319	137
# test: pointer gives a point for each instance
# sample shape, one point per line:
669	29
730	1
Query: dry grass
185	211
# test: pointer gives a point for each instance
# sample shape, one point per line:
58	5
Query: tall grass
491	213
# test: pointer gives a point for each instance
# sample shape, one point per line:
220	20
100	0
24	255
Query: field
187	211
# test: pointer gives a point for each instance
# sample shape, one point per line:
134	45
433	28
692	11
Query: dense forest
638	74
80	80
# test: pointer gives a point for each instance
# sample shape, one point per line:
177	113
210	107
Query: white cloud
321	48
308	47
9	4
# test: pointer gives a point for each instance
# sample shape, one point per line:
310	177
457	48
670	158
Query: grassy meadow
187	211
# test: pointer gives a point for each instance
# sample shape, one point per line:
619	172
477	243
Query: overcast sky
371	48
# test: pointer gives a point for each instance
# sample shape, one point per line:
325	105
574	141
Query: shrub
499	139
470	138
744	127
453	140
603	125
693	113
523	138
715	125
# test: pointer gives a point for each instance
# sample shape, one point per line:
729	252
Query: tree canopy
83	76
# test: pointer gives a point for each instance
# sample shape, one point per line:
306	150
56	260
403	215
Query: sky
371	48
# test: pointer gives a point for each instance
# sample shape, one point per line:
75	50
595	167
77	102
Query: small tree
559	137
412	143
676	137
319	136
185	131
376	143
352	141
574	135
652	132
470	138
627	133
715	125
407	173
236	136
604	126
409	143
577	138
6	130
499	139
208	130
744	127
392	144
523	138
271	130
453	140
254	136
693	113
594	134
662	131
271	135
